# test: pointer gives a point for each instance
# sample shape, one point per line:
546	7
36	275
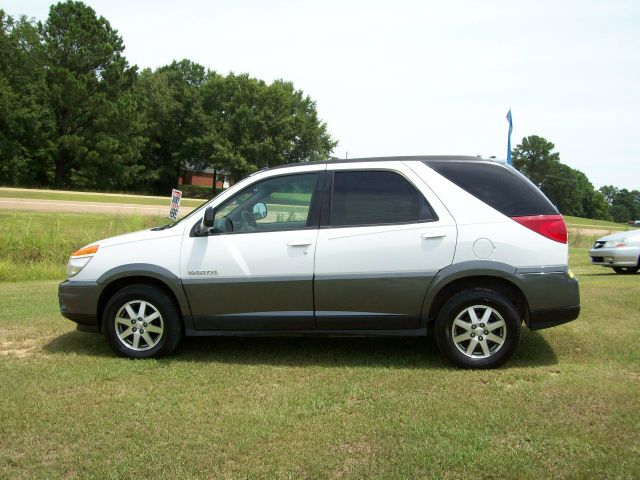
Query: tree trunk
59	180
213	184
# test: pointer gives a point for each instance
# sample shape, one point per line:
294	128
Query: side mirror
209	215
259	211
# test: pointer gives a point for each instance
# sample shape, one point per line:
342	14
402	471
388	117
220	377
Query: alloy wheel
479	331
139	325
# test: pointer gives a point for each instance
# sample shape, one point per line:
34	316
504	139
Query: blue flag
509	119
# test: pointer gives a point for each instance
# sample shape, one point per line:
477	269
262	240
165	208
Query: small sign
176	196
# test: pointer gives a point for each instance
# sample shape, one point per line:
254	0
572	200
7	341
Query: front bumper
615	257
79	303
553	296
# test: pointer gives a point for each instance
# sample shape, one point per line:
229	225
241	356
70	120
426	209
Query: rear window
498	186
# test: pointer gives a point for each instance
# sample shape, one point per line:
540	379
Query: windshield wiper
164	227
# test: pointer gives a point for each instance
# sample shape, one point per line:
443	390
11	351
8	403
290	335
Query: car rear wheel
141	321
625	270
478	328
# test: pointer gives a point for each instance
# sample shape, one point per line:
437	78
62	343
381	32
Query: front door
383	241
255	269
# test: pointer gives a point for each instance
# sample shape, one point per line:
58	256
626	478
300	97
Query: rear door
383	237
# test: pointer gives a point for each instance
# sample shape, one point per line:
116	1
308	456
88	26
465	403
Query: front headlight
75	265
79	259
622	242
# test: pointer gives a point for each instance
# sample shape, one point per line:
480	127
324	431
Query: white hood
619	235
139	236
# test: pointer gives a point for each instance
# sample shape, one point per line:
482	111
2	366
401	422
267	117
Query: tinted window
496	185
374	198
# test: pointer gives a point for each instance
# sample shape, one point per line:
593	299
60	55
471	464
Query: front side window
275	204
376	198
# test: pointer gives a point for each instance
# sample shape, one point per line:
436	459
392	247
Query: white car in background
620	251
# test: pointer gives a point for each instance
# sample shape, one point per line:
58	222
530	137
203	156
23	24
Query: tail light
549	226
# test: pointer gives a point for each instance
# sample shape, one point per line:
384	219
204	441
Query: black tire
169	322
626	270
500	309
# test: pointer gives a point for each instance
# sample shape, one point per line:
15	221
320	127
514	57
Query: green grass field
581	230
36	245
566	406
34	194
590	222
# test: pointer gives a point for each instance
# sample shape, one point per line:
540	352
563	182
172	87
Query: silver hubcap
479	331
139	325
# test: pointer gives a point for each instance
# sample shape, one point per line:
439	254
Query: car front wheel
141	321
478	328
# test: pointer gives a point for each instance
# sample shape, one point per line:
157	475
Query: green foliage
75	114
169	98
534	158
624	205
89	85
247	125
26	119
198	191
569	189
620	213
595	205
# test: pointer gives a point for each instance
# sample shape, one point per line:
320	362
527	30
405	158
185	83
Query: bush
198	191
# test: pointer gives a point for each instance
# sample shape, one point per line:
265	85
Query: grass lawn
34	194
590	222
566	406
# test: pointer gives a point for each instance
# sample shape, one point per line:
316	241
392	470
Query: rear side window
499	187
376	198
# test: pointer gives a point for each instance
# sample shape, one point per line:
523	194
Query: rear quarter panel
486	234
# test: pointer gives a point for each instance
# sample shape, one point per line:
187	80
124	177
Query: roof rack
464	158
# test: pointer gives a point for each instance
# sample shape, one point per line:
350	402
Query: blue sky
408	78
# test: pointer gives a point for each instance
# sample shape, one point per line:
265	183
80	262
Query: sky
420	77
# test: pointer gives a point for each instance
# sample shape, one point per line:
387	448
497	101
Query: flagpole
510	120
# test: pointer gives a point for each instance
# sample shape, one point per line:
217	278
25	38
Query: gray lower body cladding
553	297
370	301
343	302
267	303
79	303
360	304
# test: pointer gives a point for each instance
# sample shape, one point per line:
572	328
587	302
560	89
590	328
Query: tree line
75	114
570	189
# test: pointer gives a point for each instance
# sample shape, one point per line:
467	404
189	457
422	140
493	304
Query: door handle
299	243
428	235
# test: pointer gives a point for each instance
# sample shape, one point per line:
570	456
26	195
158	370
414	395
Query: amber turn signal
90	250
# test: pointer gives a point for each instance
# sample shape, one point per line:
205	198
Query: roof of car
463	158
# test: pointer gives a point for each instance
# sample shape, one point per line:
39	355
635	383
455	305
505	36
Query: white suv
464	248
